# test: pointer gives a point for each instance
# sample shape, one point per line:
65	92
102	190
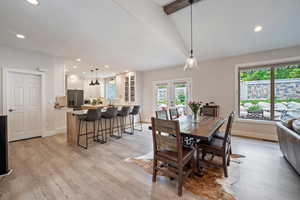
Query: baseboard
254	135
54	132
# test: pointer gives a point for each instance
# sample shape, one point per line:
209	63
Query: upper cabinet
130	85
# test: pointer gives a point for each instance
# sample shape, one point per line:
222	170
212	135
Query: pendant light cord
191	2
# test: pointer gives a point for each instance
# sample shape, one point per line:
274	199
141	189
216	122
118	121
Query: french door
172	94
24	106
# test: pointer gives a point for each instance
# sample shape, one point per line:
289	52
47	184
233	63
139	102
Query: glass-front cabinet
130	88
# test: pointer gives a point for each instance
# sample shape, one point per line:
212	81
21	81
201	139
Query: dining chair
221	135
217	147
174	114
162	114
168	149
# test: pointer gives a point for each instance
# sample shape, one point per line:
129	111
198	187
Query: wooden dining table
201	130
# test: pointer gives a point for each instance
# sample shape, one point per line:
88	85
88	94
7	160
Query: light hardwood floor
48	168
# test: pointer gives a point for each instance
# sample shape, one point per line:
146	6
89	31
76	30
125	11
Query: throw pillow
296	125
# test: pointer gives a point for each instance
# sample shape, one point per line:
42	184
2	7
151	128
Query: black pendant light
92	82
191	62
97	82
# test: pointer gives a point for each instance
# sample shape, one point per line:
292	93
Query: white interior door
172	93
24	106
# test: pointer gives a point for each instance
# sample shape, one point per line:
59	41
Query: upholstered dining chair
217	147
170	151
162	114
174	114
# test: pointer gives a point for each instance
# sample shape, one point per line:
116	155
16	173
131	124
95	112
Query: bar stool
100	128
110	115
136	111
122	115
91	116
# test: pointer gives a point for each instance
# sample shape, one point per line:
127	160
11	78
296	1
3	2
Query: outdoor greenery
254	108
181	99
268	101
292	71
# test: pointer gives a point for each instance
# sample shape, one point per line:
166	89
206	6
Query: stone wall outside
284	89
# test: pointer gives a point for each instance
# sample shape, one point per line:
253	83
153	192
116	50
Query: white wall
27	60
215	81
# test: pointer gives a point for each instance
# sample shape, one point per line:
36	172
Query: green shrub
254	108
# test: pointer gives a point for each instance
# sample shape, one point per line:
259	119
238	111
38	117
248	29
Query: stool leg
78	135
94	134
86	135
141	121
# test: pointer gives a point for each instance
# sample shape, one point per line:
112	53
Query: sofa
289	141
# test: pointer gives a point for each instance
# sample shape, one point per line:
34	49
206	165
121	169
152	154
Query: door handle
11	110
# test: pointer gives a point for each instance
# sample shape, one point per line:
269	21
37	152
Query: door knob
11	110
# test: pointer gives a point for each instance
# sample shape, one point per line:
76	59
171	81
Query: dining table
201	130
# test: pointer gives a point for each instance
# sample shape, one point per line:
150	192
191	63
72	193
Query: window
111	89
269	92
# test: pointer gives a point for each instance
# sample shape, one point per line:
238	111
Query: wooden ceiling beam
177	5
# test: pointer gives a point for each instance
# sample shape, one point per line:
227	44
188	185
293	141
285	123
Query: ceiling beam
177	5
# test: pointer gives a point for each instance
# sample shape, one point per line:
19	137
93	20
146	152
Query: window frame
272	64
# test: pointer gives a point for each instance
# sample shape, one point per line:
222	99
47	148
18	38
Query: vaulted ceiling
138	35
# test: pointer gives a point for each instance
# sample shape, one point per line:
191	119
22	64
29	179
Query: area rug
212	185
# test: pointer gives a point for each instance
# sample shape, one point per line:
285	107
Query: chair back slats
173	113
162	114
227	138
164	132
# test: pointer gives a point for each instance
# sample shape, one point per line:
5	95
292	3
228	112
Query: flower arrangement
195	107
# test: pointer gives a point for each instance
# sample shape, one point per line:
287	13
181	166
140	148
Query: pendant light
191	62
92	82
97	82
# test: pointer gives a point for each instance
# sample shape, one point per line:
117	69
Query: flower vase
195	116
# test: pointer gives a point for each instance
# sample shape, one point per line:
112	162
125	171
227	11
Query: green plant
284	72
180	99
254	108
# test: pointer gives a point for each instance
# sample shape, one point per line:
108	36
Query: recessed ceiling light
258	28
78	59
106	66
74	66
20	36
33	2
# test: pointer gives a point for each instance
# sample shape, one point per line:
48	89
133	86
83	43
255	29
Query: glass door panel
181	96
162	96
173	94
